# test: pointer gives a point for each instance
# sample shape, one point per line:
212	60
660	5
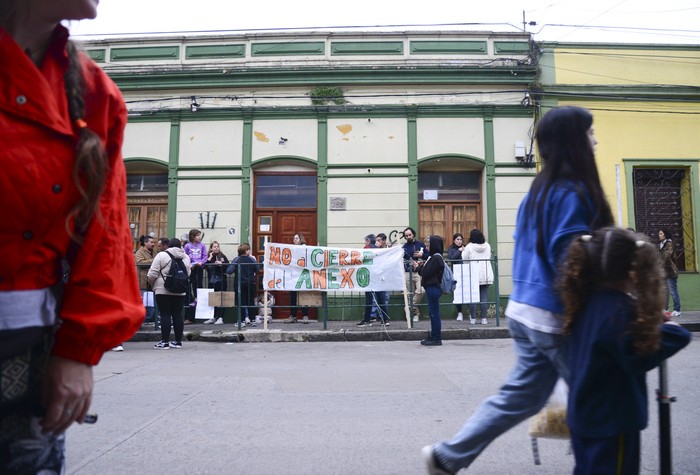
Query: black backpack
177	281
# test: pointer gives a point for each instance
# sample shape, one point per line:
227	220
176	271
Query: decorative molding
449	47
215	51
364	48
146	53
302	48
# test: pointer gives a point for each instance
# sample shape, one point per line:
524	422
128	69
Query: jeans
483	299
412	280
672	285
540	359
433	292
170	309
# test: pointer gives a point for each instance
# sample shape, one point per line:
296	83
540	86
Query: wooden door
145	217
446	219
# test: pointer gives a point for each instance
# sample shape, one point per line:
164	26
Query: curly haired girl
612	287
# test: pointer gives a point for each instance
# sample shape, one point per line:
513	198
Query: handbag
550	422
148	298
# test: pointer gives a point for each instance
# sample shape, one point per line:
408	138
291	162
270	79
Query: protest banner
324	269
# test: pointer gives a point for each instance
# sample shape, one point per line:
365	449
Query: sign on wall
323	269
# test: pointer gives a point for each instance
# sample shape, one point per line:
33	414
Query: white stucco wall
361	141
147	140
450	136
301	135
506	133
211	143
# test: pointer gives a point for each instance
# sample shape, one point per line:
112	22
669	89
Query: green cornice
511	47
97	55
336	112
363	48
153	53
215	51
626	92
303	48
619	46
191	80
449	47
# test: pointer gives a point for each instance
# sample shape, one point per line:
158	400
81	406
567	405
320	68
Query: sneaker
416	318
118	348
258	319
484	321
472	321
163	345
219	321
385	322
210	321
175	344
676	314
373	319
429	342
432	463
460	317
247	320
364	323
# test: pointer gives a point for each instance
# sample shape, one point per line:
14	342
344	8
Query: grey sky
634	21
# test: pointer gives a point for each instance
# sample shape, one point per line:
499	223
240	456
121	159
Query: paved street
325	408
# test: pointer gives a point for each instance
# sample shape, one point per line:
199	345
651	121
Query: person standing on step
216	278
297	240
667	251
170	304
479	252
454	256
245	270
196	250
413	253
430	272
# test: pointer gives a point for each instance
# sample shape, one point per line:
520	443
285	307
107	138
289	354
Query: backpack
177	281
448	284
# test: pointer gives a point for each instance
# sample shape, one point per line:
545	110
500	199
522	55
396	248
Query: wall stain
344	128
261	137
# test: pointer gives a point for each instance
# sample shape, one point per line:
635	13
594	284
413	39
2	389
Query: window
285	191
451	205
662	199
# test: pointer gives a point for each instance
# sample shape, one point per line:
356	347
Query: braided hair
91	161
613	255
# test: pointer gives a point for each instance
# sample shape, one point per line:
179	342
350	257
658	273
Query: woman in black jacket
431	274
454	256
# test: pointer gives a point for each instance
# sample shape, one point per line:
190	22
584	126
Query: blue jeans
433	292
672	285
484	302
540	359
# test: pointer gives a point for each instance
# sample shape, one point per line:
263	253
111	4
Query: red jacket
101	304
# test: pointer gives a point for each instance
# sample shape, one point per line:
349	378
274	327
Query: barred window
662	199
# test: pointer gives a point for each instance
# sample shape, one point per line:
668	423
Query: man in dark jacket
413	252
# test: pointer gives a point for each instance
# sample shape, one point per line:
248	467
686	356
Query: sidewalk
347	331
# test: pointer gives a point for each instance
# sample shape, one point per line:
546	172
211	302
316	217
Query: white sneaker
210	321
219	321
247	320
258	319
460	317
415	318
118	348
675	313
484	321
472	321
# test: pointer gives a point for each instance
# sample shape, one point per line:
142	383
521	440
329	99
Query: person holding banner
431	274
566	199
413	253
298	240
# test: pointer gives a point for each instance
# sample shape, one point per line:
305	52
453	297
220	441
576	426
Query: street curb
282	336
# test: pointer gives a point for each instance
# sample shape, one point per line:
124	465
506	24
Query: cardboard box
310	299
222	299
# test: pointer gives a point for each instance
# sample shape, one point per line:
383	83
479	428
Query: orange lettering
319	279
274	255
343	259
286	256
356	258
346	274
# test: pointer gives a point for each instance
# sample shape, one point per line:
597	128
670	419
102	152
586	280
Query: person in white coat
169	304
479	251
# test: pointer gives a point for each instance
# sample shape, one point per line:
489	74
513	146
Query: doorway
285	204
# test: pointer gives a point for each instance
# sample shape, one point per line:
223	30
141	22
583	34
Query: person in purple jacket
613	293
197	252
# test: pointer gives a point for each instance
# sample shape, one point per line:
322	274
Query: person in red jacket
72	294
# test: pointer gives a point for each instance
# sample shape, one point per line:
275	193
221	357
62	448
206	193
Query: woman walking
566	199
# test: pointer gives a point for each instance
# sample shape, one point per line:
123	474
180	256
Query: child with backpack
168	277
613	293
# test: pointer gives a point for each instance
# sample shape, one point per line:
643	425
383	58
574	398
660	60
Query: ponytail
91	161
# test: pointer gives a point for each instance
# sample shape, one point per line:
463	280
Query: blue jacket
565	215
409	249
607	389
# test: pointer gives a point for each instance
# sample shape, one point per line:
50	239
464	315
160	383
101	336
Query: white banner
467	277
203	311
323	269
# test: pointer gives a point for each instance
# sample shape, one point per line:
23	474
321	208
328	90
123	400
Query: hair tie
80	123
586	237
